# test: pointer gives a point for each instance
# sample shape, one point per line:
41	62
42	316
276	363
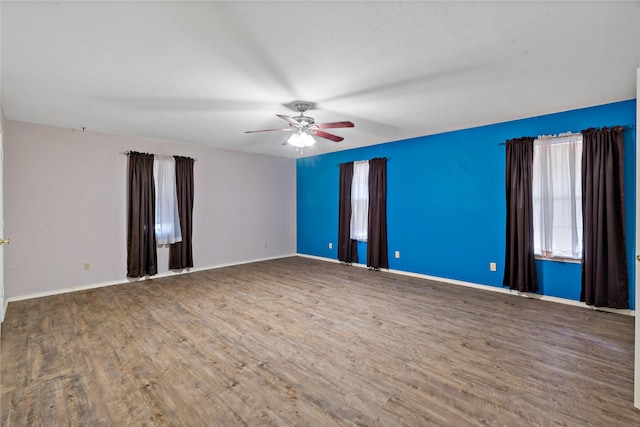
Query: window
557	196
360	201
167	218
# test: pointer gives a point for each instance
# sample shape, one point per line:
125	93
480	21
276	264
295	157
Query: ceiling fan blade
326	135
334	125
290	120
269	130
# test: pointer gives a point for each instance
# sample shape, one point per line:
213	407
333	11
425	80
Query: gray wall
65	205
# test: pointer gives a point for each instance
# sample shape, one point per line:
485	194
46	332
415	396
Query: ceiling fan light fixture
301	140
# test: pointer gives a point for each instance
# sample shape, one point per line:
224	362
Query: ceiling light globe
301	140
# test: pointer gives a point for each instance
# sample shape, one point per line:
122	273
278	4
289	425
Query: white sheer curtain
360	200
167	218
557	196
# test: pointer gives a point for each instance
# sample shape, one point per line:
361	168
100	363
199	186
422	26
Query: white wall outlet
492	266
266	244
330	245
397	254
87	266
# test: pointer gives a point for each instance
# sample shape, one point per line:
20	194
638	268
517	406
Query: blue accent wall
446	199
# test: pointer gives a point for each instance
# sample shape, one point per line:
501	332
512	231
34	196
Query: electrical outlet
87	266
330	245
266	244
397	254
492	266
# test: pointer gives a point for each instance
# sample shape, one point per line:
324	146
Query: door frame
3	300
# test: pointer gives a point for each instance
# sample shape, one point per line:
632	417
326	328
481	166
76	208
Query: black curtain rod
625	127
386	158
126	153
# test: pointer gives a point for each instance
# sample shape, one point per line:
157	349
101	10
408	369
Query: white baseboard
489	288
400	272
130	280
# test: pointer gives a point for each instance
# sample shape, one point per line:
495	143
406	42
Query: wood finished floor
301	342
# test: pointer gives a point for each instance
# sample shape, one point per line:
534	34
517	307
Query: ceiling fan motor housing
304	120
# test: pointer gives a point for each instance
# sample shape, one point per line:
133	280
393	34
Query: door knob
638	258
4	241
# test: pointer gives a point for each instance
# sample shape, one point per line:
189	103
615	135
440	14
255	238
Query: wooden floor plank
303	342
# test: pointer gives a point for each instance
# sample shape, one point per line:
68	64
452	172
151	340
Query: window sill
559	259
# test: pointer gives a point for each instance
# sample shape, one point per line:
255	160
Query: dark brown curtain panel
604	261
377	255
347	248
181	253
142	259
519	264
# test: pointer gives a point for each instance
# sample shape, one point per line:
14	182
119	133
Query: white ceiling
205	72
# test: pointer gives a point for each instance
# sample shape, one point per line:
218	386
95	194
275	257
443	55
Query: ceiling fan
304	127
